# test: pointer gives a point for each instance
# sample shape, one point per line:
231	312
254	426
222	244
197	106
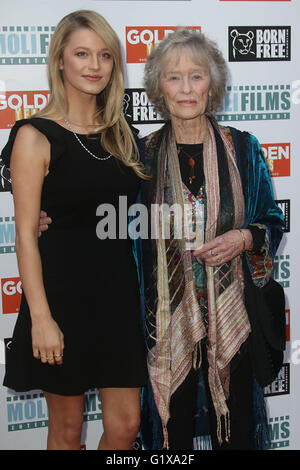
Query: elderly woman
201	392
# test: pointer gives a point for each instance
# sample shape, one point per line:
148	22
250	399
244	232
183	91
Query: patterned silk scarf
175	315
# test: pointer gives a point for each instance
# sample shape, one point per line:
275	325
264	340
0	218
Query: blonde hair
116	135
202	51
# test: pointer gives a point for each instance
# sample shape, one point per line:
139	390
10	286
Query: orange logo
287	316
16	105
278	158
140	40
11	289
255	0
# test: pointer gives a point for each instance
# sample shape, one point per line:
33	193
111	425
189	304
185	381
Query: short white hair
202	51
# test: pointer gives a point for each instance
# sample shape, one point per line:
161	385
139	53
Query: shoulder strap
52	131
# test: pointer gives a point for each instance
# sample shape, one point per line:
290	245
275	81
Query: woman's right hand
43	222
47	341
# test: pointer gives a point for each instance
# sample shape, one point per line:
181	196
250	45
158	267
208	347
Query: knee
125	428
132	426
72	429
66	431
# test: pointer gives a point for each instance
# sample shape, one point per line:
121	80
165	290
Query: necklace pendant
191	163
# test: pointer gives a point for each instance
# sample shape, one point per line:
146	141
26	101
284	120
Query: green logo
7	235
29	411
281	270
26	412
279	428
256	103
24	45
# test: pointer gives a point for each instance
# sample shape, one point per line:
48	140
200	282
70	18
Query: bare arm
29	165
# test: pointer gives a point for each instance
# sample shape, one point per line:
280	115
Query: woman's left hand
224	247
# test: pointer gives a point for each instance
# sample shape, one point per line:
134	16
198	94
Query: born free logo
259	43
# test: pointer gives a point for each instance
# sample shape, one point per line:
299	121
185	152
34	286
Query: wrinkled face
185	87
87	63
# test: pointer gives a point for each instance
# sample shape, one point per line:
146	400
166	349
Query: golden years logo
11	290
278	156
255	0
140	40
16	105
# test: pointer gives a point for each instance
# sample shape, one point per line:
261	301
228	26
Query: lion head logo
242	42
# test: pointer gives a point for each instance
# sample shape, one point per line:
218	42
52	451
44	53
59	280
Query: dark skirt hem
26	389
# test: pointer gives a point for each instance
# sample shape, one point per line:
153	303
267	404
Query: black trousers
240	404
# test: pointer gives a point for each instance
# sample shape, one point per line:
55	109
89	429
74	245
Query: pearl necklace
83	146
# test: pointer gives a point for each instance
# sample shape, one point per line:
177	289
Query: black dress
91	283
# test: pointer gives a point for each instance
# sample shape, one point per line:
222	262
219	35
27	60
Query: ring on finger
212	252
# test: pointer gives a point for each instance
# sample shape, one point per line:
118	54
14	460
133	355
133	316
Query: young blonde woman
79	325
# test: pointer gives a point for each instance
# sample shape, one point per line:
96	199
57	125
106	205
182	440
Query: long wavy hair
116	135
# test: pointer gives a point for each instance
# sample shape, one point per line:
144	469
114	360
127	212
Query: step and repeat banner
260	40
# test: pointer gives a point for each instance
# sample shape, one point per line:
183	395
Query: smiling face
87	63
185	87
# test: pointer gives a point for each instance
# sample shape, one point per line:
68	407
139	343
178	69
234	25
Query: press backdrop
260	40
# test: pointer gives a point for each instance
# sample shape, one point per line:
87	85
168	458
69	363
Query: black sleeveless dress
91	283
